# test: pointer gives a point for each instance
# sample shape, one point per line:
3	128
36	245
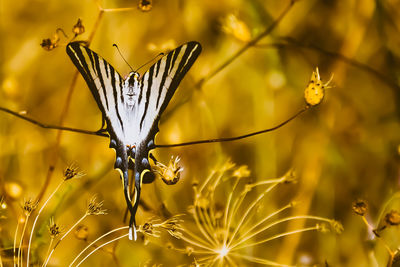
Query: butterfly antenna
151	60
116	46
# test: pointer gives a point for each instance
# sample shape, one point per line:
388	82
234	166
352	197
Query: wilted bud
315	90
170	174
360	207
78	28
392	218
145	5
82	232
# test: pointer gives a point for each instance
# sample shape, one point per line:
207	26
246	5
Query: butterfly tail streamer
132	209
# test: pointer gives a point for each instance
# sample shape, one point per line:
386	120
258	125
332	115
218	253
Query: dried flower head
172	226
29	206
242	171
360	207
169	174
315	91
51	43
54	229
145	5
95	208
149	229
72	172
392	218
78	28
237	28
82	232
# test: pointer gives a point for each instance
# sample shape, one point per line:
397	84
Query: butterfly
132	107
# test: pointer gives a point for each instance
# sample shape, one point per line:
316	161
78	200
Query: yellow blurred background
344	149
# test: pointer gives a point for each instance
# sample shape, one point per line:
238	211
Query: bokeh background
345	149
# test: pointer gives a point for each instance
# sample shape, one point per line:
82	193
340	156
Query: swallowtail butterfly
132	108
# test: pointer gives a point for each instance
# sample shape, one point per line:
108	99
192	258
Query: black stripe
141	88
158	67
121	87
89	53
149	83
177	52
106	65
165	74
100	76
116	97
82	65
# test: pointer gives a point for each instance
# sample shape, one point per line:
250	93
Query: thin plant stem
48	252
277	236
19	259
259	260
36	219
227	209
64	115
66	233
251	207
15	243
103	134
102	245
93	242
236	245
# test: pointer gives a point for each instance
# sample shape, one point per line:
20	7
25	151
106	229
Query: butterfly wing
157	87
106	86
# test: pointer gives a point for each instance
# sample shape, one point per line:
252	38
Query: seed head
54	229
72	172
360	207
95	208
145	5
392	218
29	206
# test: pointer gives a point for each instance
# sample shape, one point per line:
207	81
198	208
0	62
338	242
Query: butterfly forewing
104	82
158	85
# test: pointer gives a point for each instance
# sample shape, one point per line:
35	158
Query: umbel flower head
223	230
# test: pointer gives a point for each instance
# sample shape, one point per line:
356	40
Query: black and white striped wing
158	85
105	84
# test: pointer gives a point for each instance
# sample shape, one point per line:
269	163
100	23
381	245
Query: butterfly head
131	88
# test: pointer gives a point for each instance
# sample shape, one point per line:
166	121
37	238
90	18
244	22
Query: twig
227	139
216	140
250	44
49	126
288	41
